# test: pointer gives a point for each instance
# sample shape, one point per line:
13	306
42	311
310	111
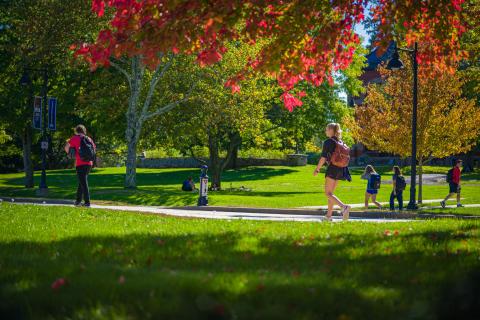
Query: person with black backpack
85	153
453	180
399	184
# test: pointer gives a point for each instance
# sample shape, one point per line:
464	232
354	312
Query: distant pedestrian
453	179
373	184
399	184
336	155
188	185
85	150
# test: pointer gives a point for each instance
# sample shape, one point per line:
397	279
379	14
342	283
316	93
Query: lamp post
25	80
394	64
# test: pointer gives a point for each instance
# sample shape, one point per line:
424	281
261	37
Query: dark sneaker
87	205
442	203
77	204
459	205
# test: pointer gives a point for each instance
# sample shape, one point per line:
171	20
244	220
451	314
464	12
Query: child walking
399	184
373	183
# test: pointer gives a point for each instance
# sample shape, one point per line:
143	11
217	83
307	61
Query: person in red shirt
82	167
454	184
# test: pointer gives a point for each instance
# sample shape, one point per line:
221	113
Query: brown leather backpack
341	155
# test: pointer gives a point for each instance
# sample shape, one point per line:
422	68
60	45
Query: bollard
203	196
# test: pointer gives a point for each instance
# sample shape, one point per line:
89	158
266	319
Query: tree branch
122	71
190	149
157	75
169	106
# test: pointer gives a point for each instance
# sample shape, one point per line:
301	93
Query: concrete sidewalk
272	214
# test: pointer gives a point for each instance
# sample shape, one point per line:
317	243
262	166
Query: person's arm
67	147
327	149
394	184
320	164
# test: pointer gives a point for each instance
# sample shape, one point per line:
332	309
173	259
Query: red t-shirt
456	175
75	143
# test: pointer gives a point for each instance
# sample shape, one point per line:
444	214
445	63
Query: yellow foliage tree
447	123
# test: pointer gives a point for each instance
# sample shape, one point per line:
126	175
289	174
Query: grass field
270	187
130	266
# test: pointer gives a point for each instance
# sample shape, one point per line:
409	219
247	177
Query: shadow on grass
225	275
101	177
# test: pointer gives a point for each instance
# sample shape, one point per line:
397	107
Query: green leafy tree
217	118
36	34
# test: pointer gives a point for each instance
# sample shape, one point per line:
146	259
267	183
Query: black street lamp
25	81
394	64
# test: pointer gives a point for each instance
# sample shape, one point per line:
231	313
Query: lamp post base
42	192
412	206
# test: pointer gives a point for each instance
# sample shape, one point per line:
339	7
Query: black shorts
336	173
454	188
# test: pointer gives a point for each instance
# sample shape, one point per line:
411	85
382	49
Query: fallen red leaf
58	283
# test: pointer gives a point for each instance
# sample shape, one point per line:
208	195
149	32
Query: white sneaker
346	212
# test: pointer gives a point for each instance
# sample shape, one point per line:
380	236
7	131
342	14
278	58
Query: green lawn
131	266
270	187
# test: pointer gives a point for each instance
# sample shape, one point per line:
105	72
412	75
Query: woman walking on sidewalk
336	155
84	149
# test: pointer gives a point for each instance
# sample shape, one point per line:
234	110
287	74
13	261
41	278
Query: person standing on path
453	179
399	184
371	191
336	155
84	149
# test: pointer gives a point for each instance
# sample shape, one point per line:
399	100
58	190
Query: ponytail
336	129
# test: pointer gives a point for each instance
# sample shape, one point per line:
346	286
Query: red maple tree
305	40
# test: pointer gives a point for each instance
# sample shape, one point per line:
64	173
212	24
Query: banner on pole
37	113
52	113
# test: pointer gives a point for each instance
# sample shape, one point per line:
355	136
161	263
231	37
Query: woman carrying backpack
84	148
336	155
373	183
399	184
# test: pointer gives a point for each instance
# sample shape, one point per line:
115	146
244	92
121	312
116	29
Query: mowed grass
269	187
120	265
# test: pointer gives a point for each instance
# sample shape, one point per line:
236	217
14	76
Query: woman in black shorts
333	173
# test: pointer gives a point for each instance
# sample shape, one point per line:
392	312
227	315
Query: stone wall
290	160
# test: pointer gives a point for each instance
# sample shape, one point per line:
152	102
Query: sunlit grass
126	265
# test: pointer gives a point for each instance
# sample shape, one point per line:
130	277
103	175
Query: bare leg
330	207
448	196
330	185
374	199
367	197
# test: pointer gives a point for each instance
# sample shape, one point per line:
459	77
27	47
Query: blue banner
37	113
52	113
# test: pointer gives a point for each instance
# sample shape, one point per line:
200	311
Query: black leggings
82	175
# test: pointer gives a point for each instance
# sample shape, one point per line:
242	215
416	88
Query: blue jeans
399	196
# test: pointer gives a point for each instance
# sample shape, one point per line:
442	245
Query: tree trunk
27	156
235	143
420	180
215	163
131	133
468	165
131	164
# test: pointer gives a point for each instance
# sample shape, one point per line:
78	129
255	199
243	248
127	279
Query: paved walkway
436	201
225	215
269	214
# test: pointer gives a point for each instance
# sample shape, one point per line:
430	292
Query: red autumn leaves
306	40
